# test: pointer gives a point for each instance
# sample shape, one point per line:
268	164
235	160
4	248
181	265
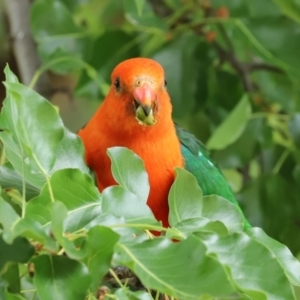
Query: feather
199	163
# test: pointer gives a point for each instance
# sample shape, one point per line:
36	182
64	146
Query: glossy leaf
76	190
11	179
189	256
185	198
129	171
120	202
288	262
23	101
216	208
241	255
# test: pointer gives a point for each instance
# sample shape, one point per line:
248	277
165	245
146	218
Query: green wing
199	163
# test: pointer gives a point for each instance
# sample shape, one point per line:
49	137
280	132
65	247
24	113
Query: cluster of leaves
59	235
212	54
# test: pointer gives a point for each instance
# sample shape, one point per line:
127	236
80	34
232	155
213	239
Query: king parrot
136	114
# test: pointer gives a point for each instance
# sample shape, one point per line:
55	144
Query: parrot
137	114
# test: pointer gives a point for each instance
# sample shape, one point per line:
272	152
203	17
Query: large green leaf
21	102
33	149
242	255
58	277
288	262
163	275
76	190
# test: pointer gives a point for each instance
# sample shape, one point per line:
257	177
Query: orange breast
160	155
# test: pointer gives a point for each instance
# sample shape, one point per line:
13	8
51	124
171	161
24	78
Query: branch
23	45
242	68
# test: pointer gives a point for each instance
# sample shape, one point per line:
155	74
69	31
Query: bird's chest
159	160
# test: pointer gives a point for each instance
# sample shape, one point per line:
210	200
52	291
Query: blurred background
233	72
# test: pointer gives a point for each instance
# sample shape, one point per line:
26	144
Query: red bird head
138	96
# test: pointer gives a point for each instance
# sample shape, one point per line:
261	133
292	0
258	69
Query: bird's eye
117	84
165	82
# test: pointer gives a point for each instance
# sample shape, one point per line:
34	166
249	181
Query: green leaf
181	271
15	226
120	202
122	45
185	198
288	262
139	5
8	216
43	26
70	153
129	171
25	120
200	224
58	37
242	256
6	295
76	190
290	8
60	278
142	15
294	127
217	208
21	102
19	251
99	246
233	126
126	293
11	179
59	215
10	274
180	65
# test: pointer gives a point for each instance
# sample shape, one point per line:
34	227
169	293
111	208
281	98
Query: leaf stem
27	291
92	73
280	161
47	179
23	188
2	155
117	279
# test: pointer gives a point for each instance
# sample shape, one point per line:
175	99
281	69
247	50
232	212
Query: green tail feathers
199	163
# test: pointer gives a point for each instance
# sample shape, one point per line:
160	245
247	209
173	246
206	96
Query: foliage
62	242
233	75
215	54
